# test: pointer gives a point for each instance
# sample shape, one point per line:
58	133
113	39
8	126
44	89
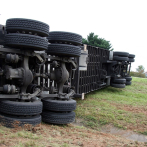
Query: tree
93	40
140	69
140	72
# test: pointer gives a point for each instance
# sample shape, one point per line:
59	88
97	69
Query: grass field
125	108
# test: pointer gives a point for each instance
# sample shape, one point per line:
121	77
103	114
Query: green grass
4	130
100	107
144	133
27	144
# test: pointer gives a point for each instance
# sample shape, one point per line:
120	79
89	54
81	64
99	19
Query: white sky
122	22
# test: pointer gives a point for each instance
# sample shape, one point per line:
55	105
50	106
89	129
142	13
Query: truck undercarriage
41	72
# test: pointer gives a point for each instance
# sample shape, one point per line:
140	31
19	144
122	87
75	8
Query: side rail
94	76
104	68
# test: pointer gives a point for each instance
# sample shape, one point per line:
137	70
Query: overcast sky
122	22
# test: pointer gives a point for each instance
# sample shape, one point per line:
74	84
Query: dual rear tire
58	111
121	82
15	113
128	80
26	34
118	82
120	56
64	44
131	57
123	56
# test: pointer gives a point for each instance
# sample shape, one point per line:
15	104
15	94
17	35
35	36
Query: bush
137	74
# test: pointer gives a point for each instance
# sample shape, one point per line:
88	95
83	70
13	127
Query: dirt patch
111	129
124	133
78	122
84	137
27	127
15	124
70	135
140	124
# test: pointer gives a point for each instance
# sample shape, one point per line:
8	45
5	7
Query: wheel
118	80
19	24
118	58
64	50
68	37
131	56
128	82
58	118
117	85
15	121
26	41
123	54
21	108
59	105
128	78
131	60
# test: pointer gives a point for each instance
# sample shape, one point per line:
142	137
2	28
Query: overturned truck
41	72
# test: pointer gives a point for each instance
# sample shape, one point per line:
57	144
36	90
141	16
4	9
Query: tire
64	50
119	80
26	41
68	37
58	105
128	78
131	60
19	24
131	56
128	82
14	121
123	54
118	58
117	85
58	118
21	108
